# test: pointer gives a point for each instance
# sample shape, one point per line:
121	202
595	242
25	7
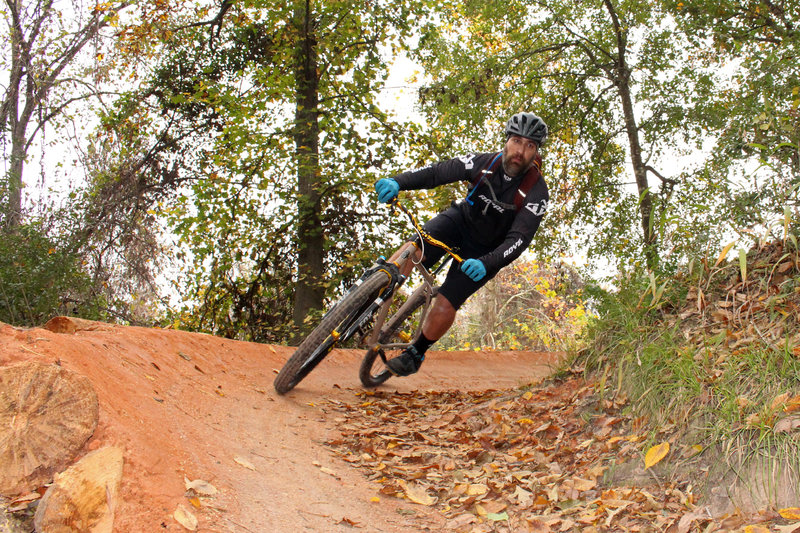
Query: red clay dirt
193	406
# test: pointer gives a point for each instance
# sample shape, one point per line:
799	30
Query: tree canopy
232	164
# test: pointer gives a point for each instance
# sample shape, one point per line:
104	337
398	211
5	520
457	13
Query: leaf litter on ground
531	460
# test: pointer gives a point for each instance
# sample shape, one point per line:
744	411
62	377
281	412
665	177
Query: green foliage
756	107
697	72
561	61
39	279
262	174
711	353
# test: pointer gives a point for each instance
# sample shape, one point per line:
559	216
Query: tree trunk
309	290
47	414
35	70
12	124
622	79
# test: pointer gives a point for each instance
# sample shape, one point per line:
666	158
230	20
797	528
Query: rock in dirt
84	496
47	414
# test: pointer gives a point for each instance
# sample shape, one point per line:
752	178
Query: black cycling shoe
406	363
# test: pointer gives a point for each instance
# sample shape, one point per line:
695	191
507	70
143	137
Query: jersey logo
537	208
513	247
467	160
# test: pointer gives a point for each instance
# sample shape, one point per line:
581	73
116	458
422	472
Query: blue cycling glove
474	269
387	190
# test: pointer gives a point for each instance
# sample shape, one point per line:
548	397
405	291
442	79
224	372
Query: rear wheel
325	336
373	371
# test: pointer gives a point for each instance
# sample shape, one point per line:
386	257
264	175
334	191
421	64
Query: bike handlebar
395	204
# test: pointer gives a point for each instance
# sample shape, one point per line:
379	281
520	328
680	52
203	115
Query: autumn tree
757	109
63	62
43	43
610	80
275	108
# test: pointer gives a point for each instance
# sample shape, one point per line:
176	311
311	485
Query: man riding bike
491	227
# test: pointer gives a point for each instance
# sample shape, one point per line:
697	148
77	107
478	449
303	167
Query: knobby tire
320	341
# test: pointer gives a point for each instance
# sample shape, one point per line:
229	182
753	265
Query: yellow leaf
724	253
790	513
184	517
417	494
656	454
375	499
476	489
756	529
528	395
524	421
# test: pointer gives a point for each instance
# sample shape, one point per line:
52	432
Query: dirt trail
192	406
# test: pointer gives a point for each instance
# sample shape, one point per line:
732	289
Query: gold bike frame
407	259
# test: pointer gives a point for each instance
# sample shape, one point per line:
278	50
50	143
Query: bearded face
519	154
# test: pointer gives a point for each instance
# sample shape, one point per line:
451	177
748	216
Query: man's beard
515	168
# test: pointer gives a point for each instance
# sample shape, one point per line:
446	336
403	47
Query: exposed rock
83	497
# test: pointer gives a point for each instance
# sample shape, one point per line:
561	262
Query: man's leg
409	265
440	318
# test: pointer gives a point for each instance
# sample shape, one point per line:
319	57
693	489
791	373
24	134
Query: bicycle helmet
527	125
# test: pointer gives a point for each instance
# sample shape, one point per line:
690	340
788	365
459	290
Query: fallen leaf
756	529
21	503
523	496
185	518
786	425
656	454
537	526
583	484
793	404
417	494
204	488
685	523
244	462
780	401
790	513
497	517
326	470
477	489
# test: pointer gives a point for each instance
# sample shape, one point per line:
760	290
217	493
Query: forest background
210	165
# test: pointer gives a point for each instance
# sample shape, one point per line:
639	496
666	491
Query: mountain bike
374	313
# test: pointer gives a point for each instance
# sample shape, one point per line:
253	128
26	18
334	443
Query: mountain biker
491	227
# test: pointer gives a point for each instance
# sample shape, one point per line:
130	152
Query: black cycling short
450	228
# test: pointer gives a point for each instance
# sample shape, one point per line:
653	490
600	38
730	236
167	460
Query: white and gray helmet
527	125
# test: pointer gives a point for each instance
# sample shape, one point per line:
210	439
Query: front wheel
373	371
329	331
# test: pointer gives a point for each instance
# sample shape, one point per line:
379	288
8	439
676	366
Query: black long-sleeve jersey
495	217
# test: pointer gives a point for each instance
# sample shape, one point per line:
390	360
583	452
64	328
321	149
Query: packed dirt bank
192	407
